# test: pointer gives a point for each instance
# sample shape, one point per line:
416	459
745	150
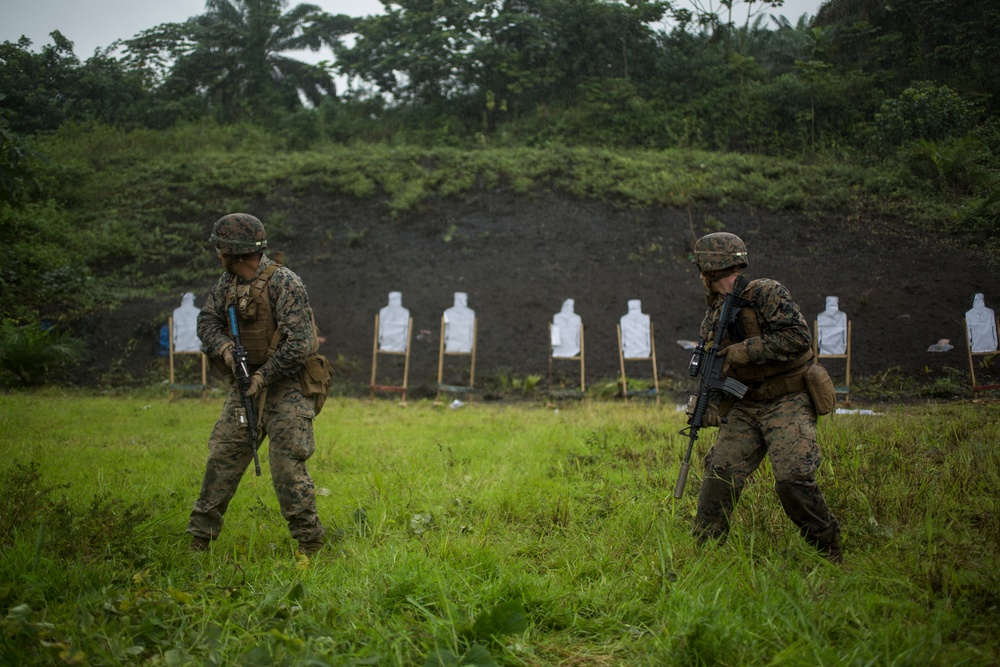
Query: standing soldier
767	349
277	328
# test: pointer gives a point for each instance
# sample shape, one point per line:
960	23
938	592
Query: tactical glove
736	355
691	405
711	416
227	356
256	384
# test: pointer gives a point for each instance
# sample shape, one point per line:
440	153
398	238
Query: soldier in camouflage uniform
767	349
278	331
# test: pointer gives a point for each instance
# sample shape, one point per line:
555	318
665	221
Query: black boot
715	505
805	505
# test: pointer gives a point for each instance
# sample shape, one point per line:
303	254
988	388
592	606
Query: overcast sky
95	24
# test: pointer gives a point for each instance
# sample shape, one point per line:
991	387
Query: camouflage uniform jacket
777	335
290	308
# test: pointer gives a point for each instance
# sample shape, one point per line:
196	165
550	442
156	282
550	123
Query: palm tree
232	55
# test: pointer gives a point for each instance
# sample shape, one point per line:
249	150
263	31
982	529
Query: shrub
41	262
950	165
922	111
300	129
25	500
104	529
31	353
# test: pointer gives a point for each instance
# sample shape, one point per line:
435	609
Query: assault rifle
247	415
710	370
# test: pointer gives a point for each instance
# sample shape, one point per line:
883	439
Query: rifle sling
271	349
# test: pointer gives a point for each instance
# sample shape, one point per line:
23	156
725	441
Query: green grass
512	535
171	171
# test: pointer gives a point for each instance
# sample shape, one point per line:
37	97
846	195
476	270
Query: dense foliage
643	73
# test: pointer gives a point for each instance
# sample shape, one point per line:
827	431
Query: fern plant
31	353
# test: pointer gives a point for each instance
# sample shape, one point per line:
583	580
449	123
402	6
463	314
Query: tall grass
503	535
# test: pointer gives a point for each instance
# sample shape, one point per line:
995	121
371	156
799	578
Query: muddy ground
518	257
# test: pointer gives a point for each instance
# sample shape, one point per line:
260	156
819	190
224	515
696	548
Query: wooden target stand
457	389
578	358
845	389
655	391
174	387
401	389
987	358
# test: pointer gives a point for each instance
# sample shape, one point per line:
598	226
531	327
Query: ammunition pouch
726	404
777	386
315	376
821	389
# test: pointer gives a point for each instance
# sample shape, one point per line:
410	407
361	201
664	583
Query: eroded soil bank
518	257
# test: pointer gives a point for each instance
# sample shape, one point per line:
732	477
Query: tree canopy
234	56
725	75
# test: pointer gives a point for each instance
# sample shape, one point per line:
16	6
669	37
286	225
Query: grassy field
490	534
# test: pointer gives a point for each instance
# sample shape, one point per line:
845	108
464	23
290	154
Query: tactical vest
253	308
260	336
765	380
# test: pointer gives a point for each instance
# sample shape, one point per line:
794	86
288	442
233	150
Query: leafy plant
506	618
922	111
32	354
105	528
951	165
504	381
234	55
25	501
527	384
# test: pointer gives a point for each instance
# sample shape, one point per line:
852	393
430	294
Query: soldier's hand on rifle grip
691	405
256	384
735	354
711	416
227	356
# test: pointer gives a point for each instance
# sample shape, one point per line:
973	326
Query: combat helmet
238	234
720	251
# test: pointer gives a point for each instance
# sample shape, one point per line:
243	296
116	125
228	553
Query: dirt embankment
519	257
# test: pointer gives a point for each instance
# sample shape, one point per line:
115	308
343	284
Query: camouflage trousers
783	428
287	420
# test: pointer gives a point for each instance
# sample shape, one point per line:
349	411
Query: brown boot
198	545
310	548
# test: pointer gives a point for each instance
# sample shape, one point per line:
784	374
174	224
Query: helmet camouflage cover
238	234
720	251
